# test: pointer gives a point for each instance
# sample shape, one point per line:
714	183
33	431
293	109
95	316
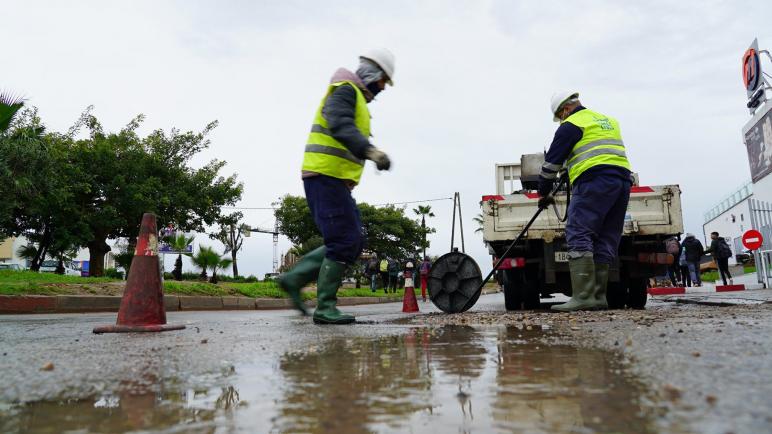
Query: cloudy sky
472	86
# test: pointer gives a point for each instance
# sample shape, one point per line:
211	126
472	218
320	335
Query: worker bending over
589	145
334	159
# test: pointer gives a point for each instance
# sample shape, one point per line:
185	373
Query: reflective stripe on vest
324	154
601	143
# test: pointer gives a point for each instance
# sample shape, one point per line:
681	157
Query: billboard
758	142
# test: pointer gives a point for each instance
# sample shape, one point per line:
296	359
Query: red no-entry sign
752	239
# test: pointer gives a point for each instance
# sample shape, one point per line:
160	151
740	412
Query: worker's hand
380	158
546	201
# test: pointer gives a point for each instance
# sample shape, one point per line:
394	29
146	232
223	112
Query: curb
23	304
701	290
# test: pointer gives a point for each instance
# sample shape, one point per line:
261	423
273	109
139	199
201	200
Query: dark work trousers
385	280
674	272
723	268
686	278
336	216
596	217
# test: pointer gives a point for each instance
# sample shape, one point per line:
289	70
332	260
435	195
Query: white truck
538	265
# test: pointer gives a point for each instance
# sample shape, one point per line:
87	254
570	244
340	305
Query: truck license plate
561	256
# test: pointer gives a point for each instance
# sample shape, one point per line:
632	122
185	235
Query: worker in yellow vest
589	145
335	154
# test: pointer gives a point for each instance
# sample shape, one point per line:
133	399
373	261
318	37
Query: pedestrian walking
426	267
673	247
589	144
333	162
693	250
686	279
393	275
721	251
372	271
383	269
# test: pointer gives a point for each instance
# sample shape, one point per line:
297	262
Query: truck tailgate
651	211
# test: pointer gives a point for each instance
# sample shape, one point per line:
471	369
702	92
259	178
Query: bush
113	273
239	279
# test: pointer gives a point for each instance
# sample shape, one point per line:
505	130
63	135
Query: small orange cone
409	303
142	307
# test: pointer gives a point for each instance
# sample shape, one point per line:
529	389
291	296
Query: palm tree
178	243
424	211
9	106
28	252
479	220
208	259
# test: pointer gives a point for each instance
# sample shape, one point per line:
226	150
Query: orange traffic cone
409	303
142	307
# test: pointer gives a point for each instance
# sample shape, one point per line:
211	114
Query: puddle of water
448	379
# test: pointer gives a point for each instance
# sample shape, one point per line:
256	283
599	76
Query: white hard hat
384	59
558	99
409	265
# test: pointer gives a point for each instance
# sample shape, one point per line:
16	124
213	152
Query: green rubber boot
330	278
582	284
601	283
304	272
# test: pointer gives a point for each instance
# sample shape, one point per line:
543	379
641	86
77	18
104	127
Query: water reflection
456	379
196	411
450	379
560	388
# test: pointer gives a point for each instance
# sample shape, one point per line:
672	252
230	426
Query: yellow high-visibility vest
601	143
328	156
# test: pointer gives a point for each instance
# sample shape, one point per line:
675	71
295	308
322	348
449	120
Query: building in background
9	254
730	218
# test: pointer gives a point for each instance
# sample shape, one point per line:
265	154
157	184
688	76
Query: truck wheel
637	294
520	291
512	289
531	294
616	295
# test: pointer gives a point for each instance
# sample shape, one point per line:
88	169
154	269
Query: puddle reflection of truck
538	266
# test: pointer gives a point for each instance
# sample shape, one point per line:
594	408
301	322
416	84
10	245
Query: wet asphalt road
483	371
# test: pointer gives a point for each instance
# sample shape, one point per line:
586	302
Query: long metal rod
453	225
461	223
519	237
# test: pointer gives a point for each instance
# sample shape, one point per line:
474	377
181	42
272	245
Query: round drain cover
454	282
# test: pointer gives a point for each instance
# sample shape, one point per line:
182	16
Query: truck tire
513	299
521	291
616	295
637	294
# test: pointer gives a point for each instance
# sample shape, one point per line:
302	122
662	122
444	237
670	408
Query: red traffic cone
142	307
409	303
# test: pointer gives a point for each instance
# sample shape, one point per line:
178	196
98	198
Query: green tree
42	187
389	231
231	234
295	220
128	175
208	259
28	252
9	106
178	243
424	211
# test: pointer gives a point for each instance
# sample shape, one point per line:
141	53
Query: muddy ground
705	367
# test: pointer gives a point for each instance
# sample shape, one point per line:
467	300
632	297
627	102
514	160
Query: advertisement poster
758	141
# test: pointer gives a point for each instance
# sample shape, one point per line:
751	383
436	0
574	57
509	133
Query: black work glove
546	201
545	186
382	161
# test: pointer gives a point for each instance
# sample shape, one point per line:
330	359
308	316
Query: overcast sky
472	87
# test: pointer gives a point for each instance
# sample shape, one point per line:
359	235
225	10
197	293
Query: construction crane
275	233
